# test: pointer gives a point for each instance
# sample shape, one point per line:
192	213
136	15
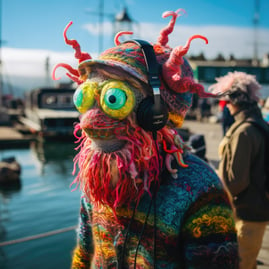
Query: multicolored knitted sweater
194	227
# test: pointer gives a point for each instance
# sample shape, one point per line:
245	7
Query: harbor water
38	218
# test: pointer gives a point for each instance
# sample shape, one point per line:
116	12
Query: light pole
1	78
101	14
122	21
256	20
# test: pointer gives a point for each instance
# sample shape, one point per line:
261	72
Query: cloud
24	69
30	62
227	40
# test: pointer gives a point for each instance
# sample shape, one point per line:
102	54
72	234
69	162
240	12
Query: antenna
1	66
256	20
101	14
101	22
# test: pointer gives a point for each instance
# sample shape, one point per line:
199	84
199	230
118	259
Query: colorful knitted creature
147	202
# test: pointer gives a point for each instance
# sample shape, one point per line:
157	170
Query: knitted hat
127	56
177	83
237	88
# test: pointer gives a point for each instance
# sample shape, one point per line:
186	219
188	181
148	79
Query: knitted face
118	159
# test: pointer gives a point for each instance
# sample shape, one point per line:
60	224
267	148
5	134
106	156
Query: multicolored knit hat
177	82
126	56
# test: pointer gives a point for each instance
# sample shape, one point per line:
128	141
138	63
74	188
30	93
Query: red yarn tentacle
117	36
199	90
172	67
77	128
163	38
170	150
81	56
66	66
75	79
187	46
178	52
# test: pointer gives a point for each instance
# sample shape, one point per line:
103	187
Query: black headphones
152	113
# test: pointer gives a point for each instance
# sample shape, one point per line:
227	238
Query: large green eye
78	97
84	96
117	99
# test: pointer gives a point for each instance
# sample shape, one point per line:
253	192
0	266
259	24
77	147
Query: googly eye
84	96
117	99
78	97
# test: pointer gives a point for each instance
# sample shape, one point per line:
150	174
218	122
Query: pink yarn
237	81
81	56
172	67
118	35
137	166
95	176
163	38
70	69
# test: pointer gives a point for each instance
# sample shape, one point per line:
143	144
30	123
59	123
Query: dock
10	137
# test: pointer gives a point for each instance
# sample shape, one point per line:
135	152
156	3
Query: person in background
242	163
198	147
226	118
205	109
265	110
261	103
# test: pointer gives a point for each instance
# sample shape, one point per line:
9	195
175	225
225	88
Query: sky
32	30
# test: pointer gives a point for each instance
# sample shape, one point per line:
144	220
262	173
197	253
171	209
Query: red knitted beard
119	177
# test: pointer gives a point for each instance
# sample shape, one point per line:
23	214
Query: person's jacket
241	167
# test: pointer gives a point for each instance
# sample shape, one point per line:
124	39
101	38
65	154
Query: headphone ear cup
149	117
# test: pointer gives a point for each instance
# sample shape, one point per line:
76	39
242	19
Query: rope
33	237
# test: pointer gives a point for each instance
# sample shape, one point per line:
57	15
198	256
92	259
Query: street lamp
123	22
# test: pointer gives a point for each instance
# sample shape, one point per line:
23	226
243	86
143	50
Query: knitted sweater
194	227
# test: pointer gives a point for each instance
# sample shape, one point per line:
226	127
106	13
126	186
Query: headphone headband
152	113
153	67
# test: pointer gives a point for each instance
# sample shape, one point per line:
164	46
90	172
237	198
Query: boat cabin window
50	100
60	101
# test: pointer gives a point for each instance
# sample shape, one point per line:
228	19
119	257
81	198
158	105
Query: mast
101	23
256	20
1	64
101	14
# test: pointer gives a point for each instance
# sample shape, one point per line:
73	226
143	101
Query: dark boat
50	112
10	172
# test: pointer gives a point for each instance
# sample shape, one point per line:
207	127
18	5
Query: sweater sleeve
235	165
83	251
209	233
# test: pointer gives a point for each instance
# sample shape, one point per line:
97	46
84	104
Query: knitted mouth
107	146
100	134
105	140
103	131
